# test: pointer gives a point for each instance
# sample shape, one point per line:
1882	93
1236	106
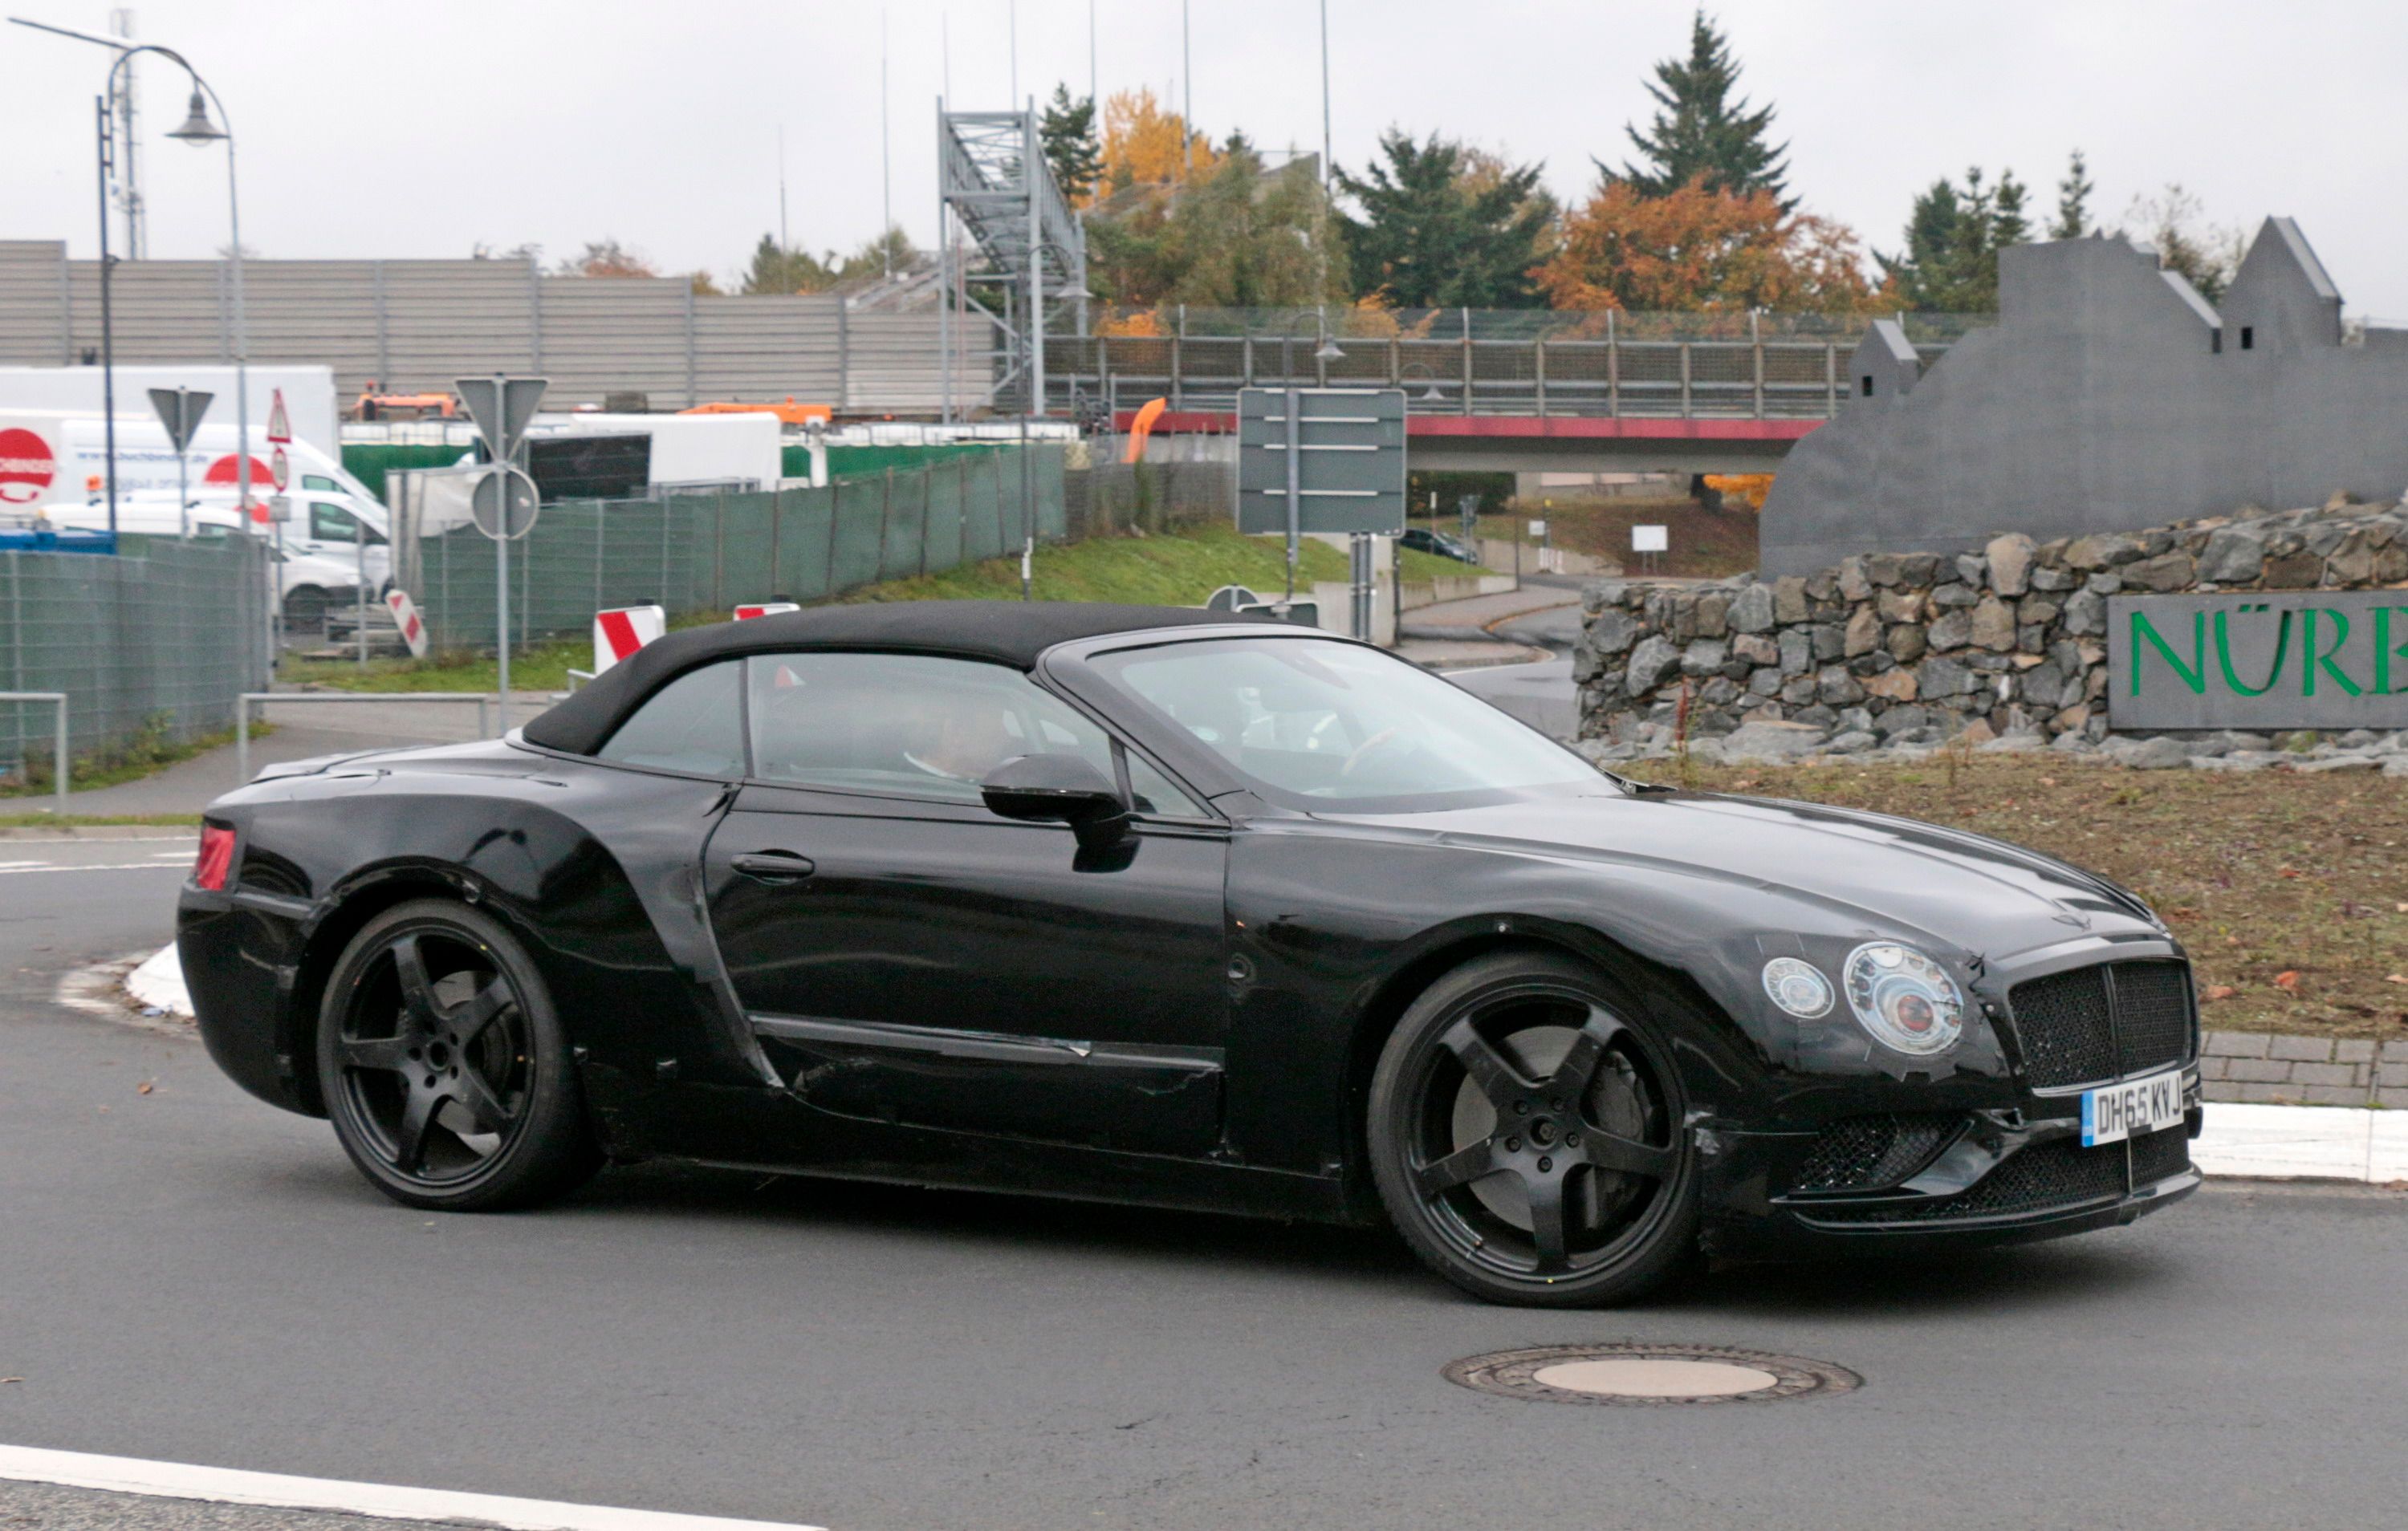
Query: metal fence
150	647
710	552
1486	362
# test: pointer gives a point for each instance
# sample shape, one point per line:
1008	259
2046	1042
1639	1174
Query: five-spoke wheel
1525	1135
442	1064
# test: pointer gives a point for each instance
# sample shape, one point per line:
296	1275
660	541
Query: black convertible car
1176	907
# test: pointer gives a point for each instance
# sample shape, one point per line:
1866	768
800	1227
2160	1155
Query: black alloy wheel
1527	1138
443	1066
305	609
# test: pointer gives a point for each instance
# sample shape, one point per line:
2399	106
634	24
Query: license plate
2114	1112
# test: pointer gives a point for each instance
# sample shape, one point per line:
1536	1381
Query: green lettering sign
2312	661
2384	653
2224	654
2193	675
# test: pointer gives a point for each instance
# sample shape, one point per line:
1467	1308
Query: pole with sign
280	471
180	411
1321	460
503	502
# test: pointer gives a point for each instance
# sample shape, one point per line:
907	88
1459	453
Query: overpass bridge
1514	391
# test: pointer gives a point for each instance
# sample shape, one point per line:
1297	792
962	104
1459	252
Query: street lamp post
196	130
1034	385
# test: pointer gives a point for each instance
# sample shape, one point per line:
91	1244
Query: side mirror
1059	789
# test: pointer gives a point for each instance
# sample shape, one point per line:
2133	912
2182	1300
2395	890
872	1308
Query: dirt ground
1708	544
2291	892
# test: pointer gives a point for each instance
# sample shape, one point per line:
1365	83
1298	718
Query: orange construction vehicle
372	405
789	412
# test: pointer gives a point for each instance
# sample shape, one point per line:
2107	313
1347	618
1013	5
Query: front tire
443	1066
1526	1134
305	609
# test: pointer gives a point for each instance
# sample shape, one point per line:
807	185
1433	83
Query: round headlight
1904	998
1797	987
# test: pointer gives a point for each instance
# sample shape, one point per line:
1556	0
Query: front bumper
1993	1177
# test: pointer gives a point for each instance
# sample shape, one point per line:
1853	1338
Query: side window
916	726
319	482
331	522
692	724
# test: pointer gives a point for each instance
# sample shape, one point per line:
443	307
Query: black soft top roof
1003	631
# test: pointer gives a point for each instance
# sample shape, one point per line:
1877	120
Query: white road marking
171	855
229	1485
10	869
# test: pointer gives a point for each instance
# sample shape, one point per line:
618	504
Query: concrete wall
2110	398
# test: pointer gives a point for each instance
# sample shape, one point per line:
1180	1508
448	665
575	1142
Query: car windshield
1331	724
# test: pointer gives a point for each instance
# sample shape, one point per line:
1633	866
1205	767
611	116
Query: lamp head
197	129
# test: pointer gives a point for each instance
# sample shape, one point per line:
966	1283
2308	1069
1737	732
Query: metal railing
243	703
1491	362
59	763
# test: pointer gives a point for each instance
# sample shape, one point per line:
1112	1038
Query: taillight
216	858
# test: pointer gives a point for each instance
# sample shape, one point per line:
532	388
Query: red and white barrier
767	608
405	616
619	632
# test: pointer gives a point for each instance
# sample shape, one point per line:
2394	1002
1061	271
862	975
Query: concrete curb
2266	1069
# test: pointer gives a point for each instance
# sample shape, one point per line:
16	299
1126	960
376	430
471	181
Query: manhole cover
1635	1373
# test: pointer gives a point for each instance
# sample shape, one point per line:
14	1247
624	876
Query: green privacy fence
150	646
709	552
845	462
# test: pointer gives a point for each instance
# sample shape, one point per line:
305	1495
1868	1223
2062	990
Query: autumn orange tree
1697	249
1146	146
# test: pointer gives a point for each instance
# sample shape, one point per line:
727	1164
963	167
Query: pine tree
1952	239
1437	232
1700	132
1072	146
776	271
2073	201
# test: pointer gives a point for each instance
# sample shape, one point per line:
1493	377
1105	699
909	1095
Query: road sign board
280	471
1350	459
1651	538
501	406
279	424
503	503
180	411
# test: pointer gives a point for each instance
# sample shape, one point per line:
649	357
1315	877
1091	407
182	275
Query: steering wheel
1383	737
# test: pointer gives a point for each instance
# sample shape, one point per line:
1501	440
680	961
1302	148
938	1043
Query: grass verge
2291	892
151	750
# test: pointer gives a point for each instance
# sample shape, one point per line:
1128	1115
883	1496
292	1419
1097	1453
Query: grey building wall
416	326
2111	397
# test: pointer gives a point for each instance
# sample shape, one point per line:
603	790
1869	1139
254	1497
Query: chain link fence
710	552
152	647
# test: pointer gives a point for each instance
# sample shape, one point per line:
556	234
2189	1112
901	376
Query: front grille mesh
2061	1021
2091	1024
2152	1014
1871	1152
2161	1155
2058	1173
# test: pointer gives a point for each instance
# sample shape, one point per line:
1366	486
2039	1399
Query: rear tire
1526	1134
305	609
443	1066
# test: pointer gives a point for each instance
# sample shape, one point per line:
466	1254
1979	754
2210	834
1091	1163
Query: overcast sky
426	129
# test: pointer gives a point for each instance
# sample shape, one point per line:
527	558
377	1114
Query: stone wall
1916	649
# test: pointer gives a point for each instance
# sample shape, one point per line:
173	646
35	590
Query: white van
323	559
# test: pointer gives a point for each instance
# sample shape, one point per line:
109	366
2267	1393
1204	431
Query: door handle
774	866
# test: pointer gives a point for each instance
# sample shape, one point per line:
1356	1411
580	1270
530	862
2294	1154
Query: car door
907	956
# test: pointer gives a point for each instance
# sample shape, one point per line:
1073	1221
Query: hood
1853	870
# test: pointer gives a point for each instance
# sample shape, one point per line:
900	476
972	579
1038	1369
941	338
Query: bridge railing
1566	364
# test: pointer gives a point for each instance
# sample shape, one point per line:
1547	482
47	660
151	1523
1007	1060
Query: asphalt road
188	1275
1540	694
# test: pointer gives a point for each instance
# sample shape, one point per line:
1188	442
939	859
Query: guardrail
59	769
243	703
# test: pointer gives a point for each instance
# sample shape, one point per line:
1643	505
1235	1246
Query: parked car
1187	908
1423	539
